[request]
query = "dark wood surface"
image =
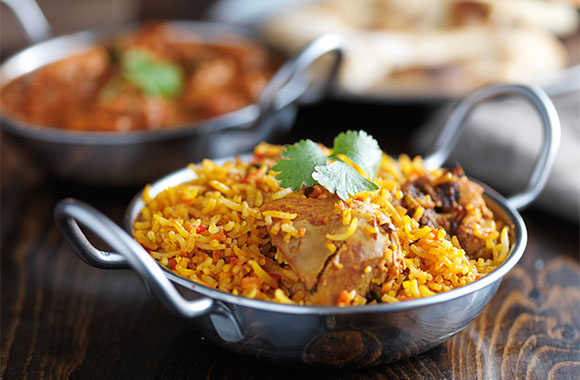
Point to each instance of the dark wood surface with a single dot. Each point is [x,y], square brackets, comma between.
[61,318]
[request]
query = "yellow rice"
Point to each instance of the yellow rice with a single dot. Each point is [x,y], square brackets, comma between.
[211,231]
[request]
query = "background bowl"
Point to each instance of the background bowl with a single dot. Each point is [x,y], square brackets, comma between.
[135,157]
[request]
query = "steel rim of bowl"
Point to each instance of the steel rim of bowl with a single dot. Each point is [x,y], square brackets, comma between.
[243,116]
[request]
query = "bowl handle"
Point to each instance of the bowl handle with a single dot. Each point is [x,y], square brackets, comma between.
[550,123]
[289,85]
[131,254]
[31,19]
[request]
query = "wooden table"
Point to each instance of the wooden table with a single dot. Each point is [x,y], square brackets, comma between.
[61,318]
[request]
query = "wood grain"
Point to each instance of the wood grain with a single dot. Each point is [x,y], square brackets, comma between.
[61,318]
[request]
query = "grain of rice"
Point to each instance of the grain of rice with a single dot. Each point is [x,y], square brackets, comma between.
[345,235]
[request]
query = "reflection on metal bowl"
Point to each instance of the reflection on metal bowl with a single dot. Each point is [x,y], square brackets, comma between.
[326,336]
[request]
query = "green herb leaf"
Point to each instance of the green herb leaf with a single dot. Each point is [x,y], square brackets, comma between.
[305,163]
[152,75]
[343,179]
[361,148]
[298,164]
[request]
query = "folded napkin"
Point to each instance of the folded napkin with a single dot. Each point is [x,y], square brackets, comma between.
[500,143]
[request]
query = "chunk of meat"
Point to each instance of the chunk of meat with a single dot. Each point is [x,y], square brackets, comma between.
[361,260]
[307,255]
[472,194]
[455,204]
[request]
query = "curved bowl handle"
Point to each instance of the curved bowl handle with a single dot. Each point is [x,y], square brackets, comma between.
[69,211]
[30,18]
[288,84]
[551,134]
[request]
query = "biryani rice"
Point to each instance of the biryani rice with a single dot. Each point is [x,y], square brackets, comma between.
[211,231]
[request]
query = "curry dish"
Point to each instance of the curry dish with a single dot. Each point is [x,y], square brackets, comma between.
[153,77]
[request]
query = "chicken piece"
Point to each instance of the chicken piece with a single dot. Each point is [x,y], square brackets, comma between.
[470,193]
[456,205]
[361,260]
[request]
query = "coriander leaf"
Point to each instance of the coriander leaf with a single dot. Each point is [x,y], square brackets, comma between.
[152,75]
[361,148]
[343,179]
[298,165]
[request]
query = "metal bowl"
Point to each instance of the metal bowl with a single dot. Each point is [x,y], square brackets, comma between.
[356,336]
[132,158]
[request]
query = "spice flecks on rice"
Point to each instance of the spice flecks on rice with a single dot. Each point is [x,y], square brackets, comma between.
[211,231]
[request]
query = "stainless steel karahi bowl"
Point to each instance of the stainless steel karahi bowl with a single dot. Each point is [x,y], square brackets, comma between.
[135,157]
[356,336]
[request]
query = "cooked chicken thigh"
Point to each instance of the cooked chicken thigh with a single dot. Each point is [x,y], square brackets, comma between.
[447,207]
[370,255]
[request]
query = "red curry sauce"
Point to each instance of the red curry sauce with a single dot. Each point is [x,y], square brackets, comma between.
[174,78]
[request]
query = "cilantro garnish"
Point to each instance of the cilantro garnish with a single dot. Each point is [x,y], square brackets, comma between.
[305,163]
[300,161]
[342,179]
[151,74]
[361,148]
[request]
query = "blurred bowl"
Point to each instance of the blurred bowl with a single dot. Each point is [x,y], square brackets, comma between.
[135,157]
[424,53]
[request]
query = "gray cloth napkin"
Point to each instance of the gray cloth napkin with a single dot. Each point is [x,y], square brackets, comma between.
[500,143]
